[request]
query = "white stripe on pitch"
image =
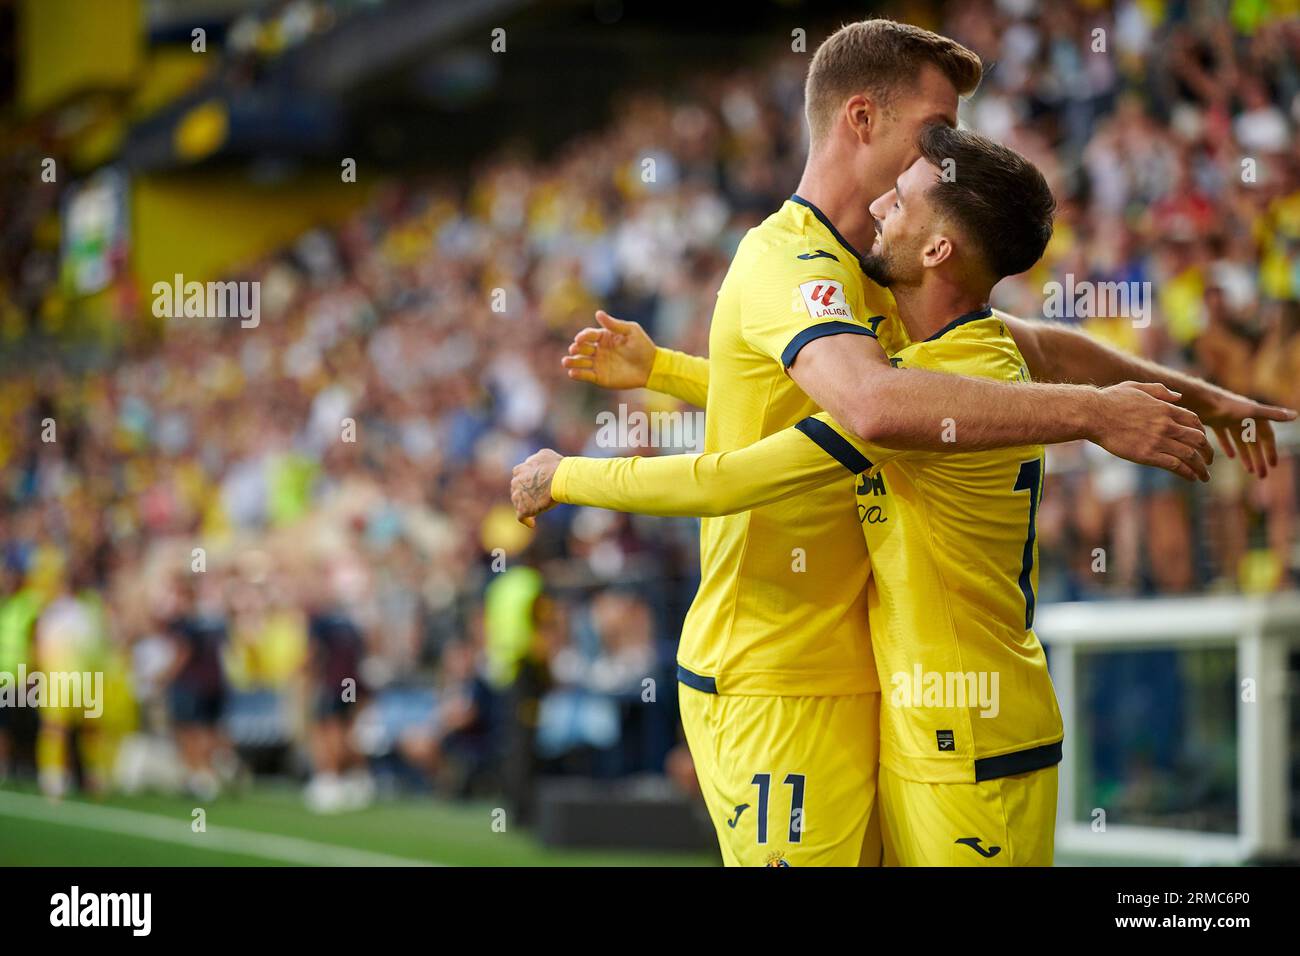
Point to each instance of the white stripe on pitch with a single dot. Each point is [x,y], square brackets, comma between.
[151,826]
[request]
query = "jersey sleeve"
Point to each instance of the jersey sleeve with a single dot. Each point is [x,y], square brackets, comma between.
[838,443]
[789,301]
[683,376]
[719,483]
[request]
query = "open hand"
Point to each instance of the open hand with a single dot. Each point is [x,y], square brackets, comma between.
[1138,421]
[614,354]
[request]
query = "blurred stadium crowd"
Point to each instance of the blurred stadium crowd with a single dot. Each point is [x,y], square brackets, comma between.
[343,468]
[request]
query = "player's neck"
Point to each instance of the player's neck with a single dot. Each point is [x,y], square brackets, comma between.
[928,307]
[840,202]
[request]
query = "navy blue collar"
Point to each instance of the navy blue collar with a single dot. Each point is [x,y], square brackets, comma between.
[983,313]
[821,217]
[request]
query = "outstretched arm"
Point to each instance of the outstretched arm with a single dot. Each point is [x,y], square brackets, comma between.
[620,354]
[1058,353]
[790,462]
[851,378]
[921,410]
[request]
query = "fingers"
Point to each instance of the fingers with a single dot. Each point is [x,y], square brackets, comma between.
[1258,456]
[1185,439]
[1185,416]
[1159,391]
[1244,452]
[614,325]
[586,339]
[1259,465]
[1173,463]
[1189,456]
[1272,413]
[584,344]
[1225,441]
[1196,439]
[1269,443]
[579,364]
[580,368]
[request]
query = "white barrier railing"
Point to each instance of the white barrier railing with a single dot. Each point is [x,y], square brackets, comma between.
[1262,630]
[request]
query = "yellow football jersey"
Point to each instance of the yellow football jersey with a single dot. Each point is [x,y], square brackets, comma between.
[781,607]
[965,692]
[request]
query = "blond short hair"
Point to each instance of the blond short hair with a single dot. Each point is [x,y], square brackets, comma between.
[880,57]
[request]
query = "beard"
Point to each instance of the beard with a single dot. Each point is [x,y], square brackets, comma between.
[879,269]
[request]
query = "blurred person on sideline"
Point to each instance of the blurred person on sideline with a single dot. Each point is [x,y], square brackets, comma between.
[596,707]
[521,628]
[25,597]
[196,684]
[340,778]
[454,751]
[1277,369]
[71,641]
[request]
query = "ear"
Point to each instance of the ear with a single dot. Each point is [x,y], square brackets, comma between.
[861,115]
[938,250]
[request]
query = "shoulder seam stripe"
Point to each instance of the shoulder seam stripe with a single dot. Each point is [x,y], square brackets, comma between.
[834,444]
[807,335]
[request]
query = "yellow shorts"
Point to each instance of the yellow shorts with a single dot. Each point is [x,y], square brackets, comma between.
[789,781]
[1009,821]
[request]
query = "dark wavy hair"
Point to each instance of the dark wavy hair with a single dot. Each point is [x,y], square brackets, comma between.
[998,199]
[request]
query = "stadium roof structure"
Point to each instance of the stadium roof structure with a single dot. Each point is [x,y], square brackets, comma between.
[403,82]
[309,100]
